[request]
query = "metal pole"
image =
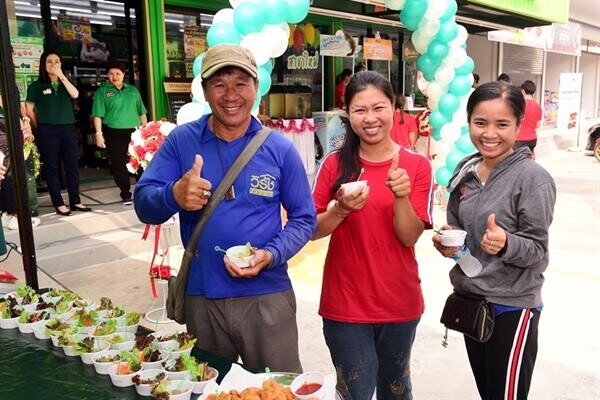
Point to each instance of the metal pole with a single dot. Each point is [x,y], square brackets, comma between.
[10,100]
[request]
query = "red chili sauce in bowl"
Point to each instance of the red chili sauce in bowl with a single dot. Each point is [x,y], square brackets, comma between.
[308,388]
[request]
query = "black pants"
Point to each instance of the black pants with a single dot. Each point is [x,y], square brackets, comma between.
[117,142]
[7,195]
[503,366]
[56,143]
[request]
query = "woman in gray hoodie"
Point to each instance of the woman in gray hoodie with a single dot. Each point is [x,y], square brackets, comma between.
[505,202]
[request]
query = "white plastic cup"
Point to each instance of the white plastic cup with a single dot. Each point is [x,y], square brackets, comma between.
[453,237]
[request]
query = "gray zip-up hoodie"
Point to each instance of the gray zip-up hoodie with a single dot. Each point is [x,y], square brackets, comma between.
[522,195]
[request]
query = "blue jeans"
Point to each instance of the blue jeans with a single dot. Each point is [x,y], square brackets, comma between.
[366,356]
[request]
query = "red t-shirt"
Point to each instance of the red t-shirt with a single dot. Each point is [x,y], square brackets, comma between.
[340,89]
[533,115]
[369,276]
[400,131]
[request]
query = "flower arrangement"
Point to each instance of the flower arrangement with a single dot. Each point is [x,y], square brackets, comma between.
[31,155]
[145,142]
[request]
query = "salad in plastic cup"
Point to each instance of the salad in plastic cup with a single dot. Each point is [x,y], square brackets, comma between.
[241,255]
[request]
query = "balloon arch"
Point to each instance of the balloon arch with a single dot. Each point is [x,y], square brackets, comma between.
[445,69]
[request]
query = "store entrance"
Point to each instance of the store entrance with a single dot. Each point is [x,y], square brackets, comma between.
[86,34]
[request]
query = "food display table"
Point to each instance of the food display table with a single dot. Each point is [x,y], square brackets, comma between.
[34,369]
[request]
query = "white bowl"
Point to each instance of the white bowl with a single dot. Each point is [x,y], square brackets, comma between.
[145,389]
[40,332]
[184,386]
[180,375]
[71,351]
[9,323]
[128,328]
[453,237]
[164,344]
[28,327]
[352,187]
[240,262]
[102,367]
[100,346]
[308,378]
[198,386]
[172,351]
[127,343]
[155,364]
[120,380]
[30,307]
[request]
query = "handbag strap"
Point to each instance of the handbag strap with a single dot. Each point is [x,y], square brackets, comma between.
[239,164]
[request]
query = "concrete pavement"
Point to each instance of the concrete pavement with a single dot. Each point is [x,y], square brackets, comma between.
[568,365]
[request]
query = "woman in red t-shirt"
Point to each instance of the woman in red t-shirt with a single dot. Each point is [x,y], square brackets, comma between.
[342,80]
[527,135]
[404,130]
[371,299]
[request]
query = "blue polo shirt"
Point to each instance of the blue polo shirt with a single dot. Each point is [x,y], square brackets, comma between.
[274,177]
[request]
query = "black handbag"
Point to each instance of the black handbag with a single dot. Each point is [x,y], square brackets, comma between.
[470,315]
[175,304]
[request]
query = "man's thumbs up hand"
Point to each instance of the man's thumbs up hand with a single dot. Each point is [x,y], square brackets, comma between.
[192,191]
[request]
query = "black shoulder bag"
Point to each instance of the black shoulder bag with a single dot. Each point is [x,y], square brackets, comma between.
[470,315]
[177,284]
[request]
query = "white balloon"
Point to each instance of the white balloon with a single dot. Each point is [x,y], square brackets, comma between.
[456,57]
[224,15]
[197,90]
[235,3]
[441,148]
[435,9]
[278,39]
[259,45]
[422,83]
[460,116]
[437,162]
[461,38]
[190,112]
[394,4]
[450,132]
[428,27]
[420,42]
[444,75]
[285,27]
[434,92]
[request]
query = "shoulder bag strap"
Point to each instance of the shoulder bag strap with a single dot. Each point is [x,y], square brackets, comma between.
[239,164]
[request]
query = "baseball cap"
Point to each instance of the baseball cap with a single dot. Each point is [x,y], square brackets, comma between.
[227,55]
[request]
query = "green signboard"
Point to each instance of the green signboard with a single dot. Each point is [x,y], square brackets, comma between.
[547,10]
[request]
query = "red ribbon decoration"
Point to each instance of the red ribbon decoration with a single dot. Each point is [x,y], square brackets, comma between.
[293,125]
[156,271]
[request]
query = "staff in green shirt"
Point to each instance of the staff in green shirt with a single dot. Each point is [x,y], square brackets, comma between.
[118,110]
[49,107]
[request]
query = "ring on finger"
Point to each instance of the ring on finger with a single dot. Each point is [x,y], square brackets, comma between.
[492,242]
[205,194]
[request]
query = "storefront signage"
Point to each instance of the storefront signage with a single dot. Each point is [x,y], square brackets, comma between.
[560,38]
[409,53]
[193,41]
[377,49]
[546,10]
[569,102]
[74,28]
[178,94]
[339,45]
[592,47]
[26,54]
[303,61]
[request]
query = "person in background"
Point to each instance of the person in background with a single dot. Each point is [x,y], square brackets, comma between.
[371,299]
[503,78]
[342,80]
[7,197]
[234,312]
[404,131]
[505,202]
[117,111]
[527,135]
[50,109]
[475,81]
[360,67]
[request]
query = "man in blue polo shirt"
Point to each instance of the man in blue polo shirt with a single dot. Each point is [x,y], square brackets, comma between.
[234,312]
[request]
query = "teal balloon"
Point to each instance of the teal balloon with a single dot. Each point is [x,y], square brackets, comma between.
[436,134]
[197,67]
[464,131]
[448,104]
[437,50]
[453,158]
[427,65]
[297,10]
[465,145]
[442,176]
[248,18]
[268,66]
[466,68]
[264,81]
[256,104]
[448,31]
[450,10]
[437,119]
[275,11]
[460,85]
[222,33]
